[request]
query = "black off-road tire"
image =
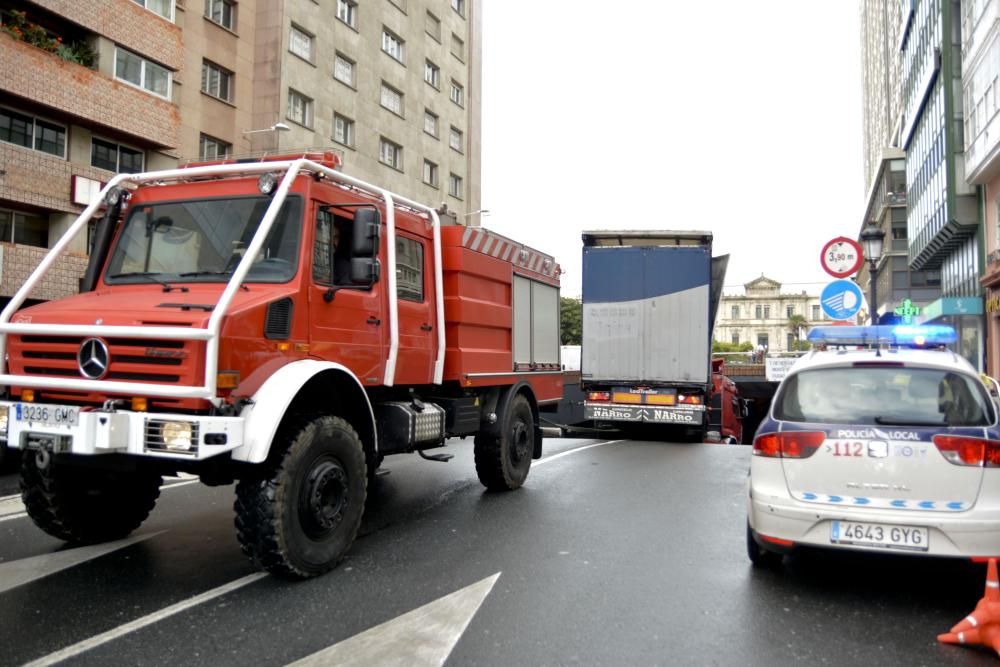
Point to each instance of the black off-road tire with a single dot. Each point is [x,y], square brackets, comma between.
[84,505]
[504,459]
[299,519]
[758,555]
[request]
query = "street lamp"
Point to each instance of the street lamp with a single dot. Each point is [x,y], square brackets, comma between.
[277,127]
[871,243]
[483,212]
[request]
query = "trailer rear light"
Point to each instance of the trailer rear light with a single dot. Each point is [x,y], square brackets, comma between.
[598,395]
[964,451]
[683,399]
[660,399]
[28,395]
[623,397]
[788,445]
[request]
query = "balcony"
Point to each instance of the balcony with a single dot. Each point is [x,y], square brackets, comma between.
[94,98]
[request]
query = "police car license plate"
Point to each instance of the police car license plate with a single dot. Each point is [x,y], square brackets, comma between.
[48,415]
[909,538]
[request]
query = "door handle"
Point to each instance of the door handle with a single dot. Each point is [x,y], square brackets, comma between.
[426,327]
[374,320]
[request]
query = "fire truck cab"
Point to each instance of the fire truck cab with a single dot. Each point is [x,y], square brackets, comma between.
[280,324]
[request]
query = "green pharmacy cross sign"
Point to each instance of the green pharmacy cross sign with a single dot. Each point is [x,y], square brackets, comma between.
[907,311]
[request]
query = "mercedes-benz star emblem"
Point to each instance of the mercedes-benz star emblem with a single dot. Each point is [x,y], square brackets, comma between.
[93,358]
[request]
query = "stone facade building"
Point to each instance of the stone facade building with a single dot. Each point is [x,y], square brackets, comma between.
[761,314]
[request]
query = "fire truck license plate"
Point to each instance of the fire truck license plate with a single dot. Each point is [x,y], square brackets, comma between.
[909,538]
[49,415]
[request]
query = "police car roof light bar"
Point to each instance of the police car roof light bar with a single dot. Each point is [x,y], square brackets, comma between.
[922,336]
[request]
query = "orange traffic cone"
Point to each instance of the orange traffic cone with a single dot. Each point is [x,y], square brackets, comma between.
[982,626]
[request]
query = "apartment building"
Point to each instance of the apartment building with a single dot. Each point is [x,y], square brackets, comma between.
[882,24]
[87,89]
[981,93]
[762,313]
[395,85]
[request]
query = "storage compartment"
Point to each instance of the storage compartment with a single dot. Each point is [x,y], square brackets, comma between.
[404,427]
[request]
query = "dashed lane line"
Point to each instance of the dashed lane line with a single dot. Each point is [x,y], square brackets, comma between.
[105,637]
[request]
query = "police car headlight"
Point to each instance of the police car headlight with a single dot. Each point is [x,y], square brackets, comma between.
[176,436]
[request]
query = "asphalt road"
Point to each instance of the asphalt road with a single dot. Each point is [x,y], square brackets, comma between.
[613,553]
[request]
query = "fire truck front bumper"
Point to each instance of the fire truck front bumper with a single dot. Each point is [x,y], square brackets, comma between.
[69,429]
[692,415]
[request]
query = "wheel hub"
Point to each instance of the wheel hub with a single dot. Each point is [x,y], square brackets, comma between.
[325,495]
[519,442]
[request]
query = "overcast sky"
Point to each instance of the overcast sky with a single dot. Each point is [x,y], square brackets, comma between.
[742,118]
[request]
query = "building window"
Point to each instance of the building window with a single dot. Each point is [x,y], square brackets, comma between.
[790,342]
[432,74]
[390,154]
[393,45]
[409,269]
[455,139]
[343,70]
[113,157]
[343,130]
[30,132]
[758,311]
[430,173]
[762,340]
[300,43]
[210,148]
[222,12]
[216,81]
[457,93]
[735,312]
[767,312]
[164,8]
[432,26]
[347,11]
[391,99]
[300,108]
[455,186]
[142,73]
[431,123]
[458,6]
[815,312]
[789,311]
[24,228]
[457,47]
[736,338]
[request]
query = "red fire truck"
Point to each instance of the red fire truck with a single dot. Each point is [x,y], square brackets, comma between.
[280,324]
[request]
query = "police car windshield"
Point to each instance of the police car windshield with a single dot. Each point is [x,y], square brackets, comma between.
[883,395]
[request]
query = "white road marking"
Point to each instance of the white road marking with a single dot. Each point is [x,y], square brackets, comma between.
[110,635]
[573,451]
[423,637]
[11,507]
[19,572]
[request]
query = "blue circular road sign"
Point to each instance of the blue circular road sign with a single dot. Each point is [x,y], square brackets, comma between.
[841,300]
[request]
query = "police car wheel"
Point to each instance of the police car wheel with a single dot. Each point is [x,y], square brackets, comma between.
[759,556]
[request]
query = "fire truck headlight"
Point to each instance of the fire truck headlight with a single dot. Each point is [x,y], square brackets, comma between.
[176,436]
[266,183]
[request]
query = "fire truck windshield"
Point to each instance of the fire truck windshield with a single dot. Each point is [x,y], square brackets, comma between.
[203,240]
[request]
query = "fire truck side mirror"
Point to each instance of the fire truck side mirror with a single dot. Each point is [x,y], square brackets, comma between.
[364,242]
[365,270]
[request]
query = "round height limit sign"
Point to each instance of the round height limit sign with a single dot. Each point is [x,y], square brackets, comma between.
[841,257]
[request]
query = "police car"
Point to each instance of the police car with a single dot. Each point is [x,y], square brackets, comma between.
[892,449]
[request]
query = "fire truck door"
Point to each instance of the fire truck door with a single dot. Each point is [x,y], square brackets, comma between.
[347,324]
[414,289]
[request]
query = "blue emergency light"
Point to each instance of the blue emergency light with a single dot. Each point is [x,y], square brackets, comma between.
[901,335]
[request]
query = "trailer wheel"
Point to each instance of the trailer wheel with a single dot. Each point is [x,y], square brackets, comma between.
[83,505]
[503,459]
[302,516]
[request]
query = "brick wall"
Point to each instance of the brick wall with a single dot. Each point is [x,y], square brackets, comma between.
[18,261]
[126,23]
[42,180]
[30,72]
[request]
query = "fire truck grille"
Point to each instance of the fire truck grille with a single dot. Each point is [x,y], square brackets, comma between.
[132,359]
